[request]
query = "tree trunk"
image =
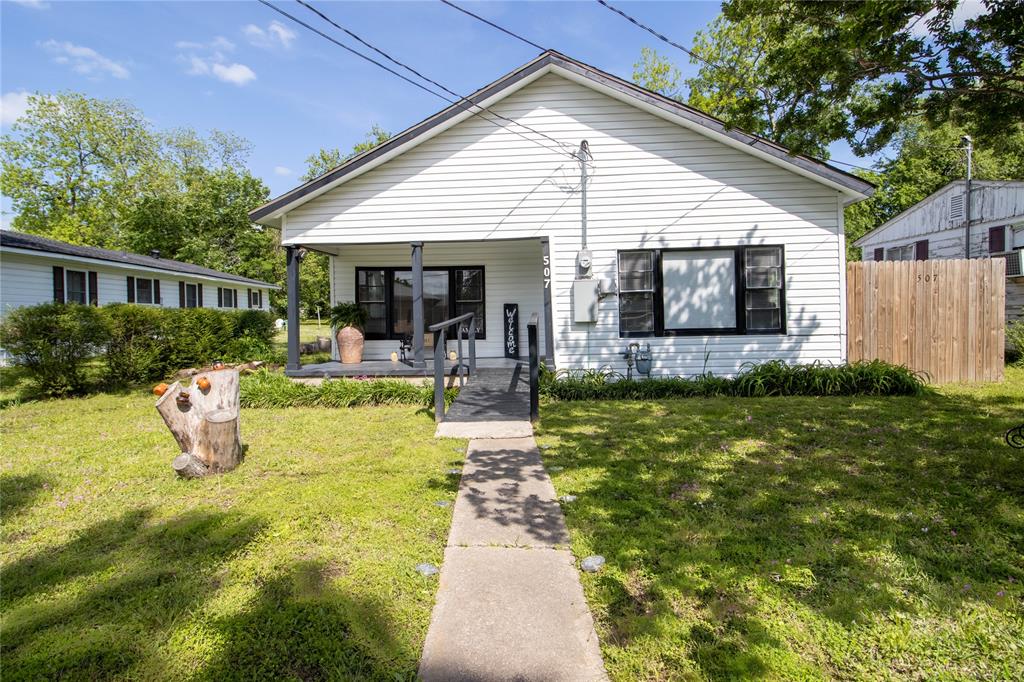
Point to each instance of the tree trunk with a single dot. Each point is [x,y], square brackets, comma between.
[205,422]
[188,465]
[218,445]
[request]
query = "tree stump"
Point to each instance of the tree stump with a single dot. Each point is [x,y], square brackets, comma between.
[205,423]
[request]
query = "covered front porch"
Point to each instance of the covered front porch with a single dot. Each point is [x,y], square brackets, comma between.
[409,288]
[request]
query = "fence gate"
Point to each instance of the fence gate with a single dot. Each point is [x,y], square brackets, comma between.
[945,318]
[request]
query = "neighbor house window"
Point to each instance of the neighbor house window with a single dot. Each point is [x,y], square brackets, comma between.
[227,298]
[77,287]
[900,252]
[255,299]
[386,295]
[190,295]
[997,239]
[728,290]
[144,291]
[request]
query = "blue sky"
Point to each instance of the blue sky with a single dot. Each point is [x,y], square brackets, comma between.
[239,66]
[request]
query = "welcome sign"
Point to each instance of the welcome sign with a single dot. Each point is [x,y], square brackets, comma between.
[511,329]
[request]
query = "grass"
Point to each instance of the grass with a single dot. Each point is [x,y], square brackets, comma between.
[800,538]
[298,565]
[309,330]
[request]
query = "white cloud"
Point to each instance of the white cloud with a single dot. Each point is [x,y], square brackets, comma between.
[208,59]
[965,9]
[239,74]
[12,106]
[34,4]
[275,34]
[84,60]
[282,170]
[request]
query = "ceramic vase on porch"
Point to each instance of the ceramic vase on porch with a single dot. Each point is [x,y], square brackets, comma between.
[348,320]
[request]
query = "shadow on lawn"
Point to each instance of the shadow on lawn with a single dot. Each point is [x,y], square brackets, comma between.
[852,507]
[108,604]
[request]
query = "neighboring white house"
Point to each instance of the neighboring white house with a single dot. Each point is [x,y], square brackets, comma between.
[37,270]
[936,227]
[715,247]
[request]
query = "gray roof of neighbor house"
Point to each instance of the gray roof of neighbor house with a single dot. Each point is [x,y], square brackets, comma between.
[31,242]
[551,58]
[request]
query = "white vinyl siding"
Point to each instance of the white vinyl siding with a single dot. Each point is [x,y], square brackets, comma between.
[28,280]
[654,185]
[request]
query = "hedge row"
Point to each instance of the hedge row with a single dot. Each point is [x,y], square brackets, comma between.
[774,378]
[54,341]
[272,389]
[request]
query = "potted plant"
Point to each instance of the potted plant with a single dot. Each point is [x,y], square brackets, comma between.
[348,319]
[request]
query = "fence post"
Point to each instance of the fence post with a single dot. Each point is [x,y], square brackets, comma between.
[531,334]
[439,376]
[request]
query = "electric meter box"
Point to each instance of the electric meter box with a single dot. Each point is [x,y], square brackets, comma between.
[584,300]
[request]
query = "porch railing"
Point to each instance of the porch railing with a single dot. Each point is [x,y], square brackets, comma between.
[440,332]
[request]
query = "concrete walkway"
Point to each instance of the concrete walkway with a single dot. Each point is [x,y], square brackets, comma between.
[509,605]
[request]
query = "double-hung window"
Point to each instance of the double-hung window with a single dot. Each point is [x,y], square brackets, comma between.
[900,252]
[386,295]
[144,291]
[702,291]
[78,291]
[227,298]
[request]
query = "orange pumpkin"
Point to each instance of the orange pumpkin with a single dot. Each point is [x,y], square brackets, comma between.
[160,389]
[203,383]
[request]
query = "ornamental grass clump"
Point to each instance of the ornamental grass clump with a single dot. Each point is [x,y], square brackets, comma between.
[774,378]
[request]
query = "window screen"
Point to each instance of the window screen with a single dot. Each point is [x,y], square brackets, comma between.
[143,290]
[636,291]
[77,290]
[763,295]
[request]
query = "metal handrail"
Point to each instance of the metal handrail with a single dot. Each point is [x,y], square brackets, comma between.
[439,355]
[531,335]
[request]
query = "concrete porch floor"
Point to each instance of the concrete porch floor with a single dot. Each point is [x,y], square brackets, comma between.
[387,368]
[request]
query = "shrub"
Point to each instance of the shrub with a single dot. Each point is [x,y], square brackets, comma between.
[1015,341]
[774,378]
[136,351]
[271,389]
[53,341]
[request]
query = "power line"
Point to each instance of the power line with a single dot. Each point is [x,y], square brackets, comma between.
[461,98]
[494,25]
[659,36]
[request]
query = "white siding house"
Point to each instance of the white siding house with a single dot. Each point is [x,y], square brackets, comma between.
[715,247]
[936,227]
[37,270]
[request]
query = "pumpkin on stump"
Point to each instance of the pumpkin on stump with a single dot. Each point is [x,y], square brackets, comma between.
[348,319]
[205,424]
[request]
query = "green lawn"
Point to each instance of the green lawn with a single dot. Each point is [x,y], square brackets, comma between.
[800,538]
[298,565]
[309,330]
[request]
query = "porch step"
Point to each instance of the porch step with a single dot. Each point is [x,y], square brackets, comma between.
[494,404]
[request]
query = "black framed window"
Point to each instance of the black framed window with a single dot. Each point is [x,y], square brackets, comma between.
[386,295]
[702,291]
[636,292]
[144,291]
[191,295]
[77,287]
[227,298]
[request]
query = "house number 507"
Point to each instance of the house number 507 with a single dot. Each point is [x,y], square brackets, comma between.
[547,272]
[928,278]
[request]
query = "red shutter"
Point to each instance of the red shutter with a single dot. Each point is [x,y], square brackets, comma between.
[921,250]
[94,293]
[199,295]
[58,284]
[181,294]
[996,239]
[156,292]
[131,290]
[879,253]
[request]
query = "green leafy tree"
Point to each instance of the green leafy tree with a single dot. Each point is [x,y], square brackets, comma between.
[75,167]
[927,158]
[656,72]
[873,65]
[314,275]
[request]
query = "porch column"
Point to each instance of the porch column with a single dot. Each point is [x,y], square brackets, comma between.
[417,305]
[293,258]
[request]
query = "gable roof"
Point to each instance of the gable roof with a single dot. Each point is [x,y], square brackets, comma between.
[10,239]
[975,184]
[554,62]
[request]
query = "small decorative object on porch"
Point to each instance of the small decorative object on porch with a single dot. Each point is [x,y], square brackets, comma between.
[205,423]
[348,320]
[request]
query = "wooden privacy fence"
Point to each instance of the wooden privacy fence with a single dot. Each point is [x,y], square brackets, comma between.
[945,318]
